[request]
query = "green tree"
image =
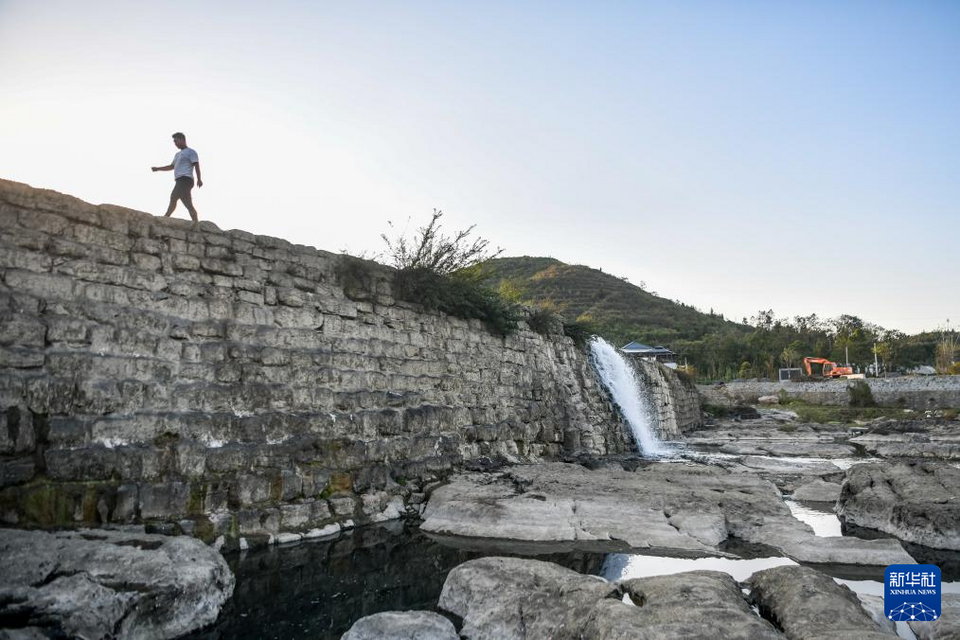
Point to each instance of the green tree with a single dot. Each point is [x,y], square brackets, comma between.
[789,355]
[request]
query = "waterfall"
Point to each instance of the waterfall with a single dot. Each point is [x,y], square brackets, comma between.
[621,381]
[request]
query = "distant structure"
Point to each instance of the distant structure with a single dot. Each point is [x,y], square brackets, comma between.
[792,373]
[658,353]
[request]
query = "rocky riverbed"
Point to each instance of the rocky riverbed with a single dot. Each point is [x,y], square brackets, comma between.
[736,531]
[506,598]
[674,507]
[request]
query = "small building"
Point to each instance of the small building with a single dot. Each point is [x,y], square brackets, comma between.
[790,374]
[658,353]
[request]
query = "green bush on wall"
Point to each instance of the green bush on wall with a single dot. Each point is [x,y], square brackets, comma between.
[460,294]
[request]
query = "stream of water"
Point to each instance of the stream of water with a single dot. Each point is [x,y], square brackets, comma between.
[627,391]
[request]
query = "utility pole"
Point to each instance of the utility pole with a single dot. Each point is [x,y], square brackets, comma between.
[846,351]
[876,366]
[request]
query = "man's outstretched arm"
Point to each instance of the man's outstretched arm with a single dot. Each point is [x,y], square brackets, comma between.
[196,166]
[169,167]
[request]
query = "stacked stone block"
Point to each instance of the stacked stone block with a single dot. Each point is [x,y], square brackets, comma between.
[236,385]
[674,401]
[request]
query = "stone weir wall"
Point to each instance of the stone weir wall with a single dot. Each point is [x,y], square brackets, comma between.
[913,392]
[227,384]
[674,401]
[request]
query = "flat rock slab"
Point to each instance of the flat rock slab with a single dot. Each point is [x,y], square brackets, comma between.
[688,508]
[818,490]
[507,598]
[915,502]
[940,444]
[402,625]
[808,605]
[787,467]
[811,449]
[103,583]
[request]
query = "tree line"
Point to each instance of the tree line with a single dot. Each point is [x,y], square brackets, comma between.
[770,343]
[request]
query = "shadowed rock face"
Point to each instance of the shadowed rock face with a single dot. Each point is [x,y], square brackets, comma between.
[915,502]
[677,507]
[808,605]
[97,584]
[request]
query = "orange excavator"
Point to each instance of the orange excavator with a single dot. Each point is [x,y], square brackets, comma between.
[830,369]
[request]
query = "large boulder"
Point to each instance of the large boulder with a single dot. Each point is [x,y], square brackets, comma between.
[116,584]
[678,507]
[502,598]
[808,605]
[915,502]
[507,598]
[694,604]
[402,625]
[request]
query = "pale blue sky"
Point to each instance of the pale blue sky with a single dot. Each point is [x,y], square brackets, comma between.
[802,156]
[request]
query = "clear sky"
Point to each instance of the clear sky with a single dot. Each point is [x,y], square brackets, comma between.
[800,156]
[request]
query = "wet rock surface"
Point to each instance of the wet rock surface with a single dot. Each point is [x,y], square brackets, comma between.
[402,625]
[98,584]
[808,605]
[915,502]
[683,508]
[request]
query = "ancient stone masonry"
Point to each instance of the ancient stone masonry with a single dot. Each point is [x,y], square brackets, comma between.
[227,384]
[674,400]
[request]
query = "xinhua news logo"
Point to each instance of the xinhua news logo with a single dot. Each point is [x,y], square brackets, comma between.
[911,592]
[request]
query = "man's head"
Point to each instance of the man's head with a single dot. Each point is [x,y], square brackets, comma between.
[180,140]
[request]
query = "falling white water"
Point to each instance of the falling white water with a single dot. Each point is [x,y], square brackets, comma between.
[621,381]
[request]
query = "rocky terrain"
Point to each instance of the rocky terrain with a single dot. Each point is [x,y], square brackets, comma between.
[680,508]
[243,390]
[917,502]
[506,598]
[102,583]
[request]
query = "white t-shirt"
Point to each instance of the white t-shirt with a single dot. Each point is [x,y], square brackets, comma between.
[183,163]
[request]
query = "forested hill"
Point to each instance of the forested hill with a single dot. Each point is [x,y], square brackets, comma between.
[718,349]
[618,310]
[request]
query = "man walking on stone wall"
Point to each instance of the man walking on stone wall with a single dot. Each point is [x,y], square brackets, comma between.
[182,166]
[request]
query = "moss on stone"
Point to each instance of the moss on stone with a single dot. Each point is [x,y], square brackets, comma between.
[197,497]
[338,483]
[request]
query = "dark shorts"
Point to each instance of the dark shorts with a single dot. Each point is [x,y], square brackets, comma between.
[181,190]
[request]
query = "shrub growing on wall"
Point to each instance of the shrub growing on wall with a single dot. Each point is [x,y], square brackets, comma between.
[444,273]
[459,294]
